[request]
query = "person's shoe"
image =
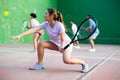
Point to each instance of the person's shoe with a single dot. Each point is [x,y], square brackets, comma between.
[34,51]
[92,50]
[37,67]
[84,68]
[78,47]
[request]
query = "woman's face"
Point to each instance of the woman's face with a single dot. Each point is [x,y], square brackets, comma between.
[48,17]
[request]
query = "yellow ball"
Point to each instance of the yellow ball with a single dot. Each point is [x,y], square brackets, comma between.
[5,13]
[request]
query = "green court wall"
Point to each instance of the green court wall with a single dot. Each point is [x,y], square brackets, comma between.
[19,10]
[107,13]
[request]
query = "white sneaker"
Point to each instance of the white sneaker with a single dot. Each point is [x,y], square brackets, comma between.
[34,51]
[78,47]
[92,50]
[84,68]
[37,67]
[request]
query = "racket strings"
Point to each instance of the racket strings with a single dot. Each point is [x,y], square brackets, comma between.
[25,24]
[86,30]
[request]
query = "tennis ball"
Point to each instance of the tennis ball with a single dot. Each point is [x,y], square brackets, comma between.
[5,13]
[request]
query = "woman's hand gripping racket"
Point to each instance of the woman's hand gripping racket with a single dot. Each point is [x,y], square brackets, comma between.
[84,31]
[25,24]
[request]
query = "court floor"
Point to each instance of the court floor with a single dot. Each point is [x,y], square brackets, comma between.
[16,59]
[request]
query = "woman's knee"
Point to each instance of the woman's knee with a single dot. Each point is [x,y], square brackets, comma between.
[40,44]
[68,61]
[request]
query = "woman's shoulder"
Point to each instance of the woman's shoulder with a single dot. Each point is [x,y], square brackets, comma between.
[44,24]
[59,23]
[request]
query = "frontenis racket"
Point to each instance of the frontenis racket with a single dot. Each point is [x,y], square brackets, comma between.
[84,31]
[25,24]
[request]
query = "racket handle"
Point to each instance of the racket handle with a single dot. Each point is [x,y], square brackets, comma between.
[66,46]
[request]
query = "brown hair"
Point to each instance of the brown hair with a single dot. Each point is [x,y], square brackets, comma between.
[57,15]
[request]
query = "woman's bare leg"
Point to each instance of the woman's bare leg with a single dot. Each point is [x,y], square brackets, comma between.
[42,46]
[36,38]
[69,60]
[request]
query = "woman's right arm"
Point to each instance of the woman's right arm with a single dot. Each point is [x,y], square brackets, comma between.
[30,31]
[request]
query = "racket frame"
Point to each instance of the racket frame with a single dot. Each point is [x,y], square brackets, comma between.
[25,24]
[73,39]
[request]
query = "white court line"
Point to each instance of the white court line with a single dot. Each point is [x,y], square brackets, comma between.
[83,77]
[49,54]
[96,66]
[12,51]
[15,49]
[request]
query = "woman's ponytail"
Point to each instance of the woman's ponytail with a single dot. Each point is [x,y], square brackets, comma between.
[59,17]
